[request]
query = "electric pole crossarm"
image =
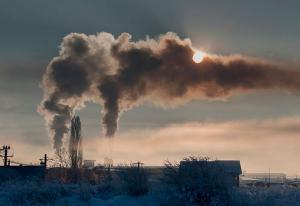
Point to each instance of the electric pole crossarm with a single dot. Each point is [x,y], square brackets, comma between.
[5,156]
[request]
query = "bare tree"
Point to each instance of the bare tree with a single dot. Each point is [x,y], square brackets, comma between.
[61,159]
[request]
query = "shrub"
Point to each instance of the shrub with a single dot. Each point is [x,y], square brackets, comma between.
[32,192]
[198,182]
[275,195]
[135,180]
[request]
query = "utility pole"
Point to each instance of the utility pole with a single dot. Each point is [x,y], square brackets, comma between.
[269,178]
[5,157]
[139,164]
[44,160]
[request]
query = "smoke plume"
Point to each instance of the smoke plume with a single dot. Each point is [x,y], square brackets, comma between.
[119,73]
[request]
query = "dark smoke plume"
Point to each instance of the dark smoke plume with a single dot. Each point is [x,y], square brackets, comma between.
[119,74]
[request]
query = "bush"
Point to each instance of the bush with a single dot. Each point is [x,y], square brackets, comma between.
[198,182]
[108,187]
[276,195]
[135,180]
[32,192]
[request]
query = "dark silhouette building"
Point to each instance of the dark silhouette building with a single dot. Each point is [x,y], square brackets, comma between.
[229,170]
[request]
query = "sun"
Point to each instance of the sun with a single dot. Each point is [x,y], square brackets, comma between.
[198,56]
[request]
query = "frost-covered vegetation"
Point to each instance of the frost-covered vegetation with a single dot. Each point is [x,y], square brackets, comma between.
[134,179]
[197,184]
[31,192]
[35,193]
[133,186]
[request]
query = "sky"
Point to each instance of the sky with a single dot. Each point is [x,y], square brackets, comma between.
[259,128]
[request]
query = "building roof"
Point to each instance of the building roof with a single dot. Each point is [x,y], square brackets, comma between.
[230,166]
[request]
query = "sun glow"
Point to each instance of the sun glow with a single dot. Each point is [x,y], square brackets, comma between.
[198,56]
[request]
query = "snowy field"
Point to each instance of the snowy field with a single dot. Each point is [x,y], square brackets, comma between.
[31,192]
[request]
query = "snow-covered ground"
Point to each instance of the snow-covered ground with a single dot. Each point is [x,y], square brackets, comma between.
[119,200]
[21,193]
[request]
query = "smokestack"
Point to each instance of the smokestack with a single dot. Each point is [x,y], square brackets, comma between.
[119,74]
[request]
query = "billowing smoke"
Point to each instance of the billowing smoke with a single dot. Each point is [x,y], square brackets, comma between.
[119,73]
